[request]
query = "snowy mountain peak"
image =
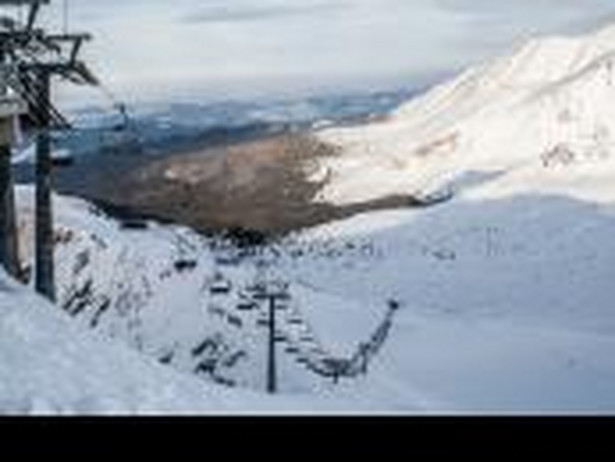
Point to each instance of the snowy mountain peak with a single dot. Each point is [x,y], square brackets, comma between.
[546,104]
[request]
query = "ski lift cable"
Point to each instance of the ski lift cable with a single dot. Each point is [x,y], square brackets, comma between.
[116,103]
[57,117]
[27,89]
[354,367]
[65,8]
[120,106]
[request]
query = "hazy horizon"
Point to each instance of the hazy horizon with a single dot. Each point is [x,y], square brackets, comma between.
[190,49]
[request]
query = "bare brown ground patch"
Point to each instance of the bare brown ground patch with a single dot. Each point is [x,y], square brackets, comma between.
[261,185]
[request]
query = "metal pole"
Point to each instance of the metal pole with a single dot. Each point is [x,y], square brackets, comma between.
[44,212]
[363,348]
[8,229]
[9,253]
[271,372]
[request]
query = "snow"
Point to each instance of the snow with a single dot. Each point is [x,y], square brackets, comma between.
[51,366]
[510,116]
[505,308]
[27,154]
[507,287]
[505,290]
[506,305]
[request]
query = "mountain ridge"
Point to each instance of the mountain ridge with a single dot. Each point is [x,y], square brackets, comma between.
[512,109]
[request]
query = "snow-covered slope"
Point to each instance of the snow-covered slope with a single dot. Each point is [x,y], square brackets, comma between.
[151,289]
[52,366]
[507,287]
[506,306]
[505,291]
[539,118]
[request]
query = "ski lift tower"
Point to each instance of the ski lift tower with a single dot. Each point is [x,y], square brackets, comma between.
[64,64]
[38,56]
[11,107]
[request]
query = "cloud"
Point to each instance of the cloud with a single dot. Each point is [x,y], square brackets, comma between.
[233,12]
[233,48]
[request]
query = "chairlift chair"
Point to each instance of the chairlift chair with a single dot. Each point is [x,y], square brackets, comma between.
[256,287]
[216,310]
[133,223]
[283,296]
[280,336]
[62,159]
[220,288]
[317,351]
[184,264]
[260,295]
[228,259]
[234,321]
[246,306]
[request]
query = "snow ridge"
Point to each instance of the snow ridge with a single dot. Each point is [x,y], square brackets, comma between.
[548,99]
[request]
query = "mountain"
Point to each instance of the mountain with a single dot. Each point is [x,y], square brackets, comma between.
[498,299]
[538,118]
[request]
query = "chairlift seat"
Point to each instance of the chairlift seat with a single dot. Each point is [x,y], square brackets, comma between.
[260,296]
[64,161]
[234,321]
[246,306]
[133,224]
[283,296]
[220,288]
[183,265]
[257,287]
[119,128]
[228,258]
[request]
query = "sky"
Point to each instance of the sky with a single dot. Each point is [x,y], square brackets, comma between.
[220,49]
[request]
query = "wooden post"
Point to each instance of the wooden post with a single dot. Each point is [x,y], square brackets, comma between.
[44,239]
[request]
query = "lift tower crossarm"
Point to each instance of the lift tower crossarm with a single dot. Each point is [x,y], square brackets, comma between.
[23,2]
[77,41]
[34,8]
